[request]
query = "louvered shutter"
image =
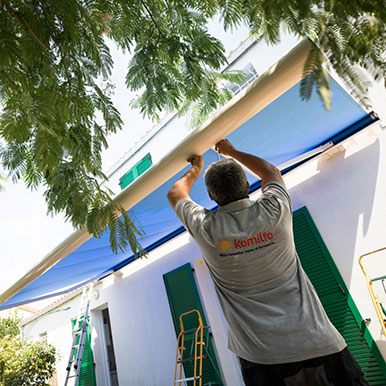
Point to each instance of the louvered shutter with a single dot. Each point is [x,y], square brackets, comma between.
[144,164]
[138,169]
[183,296]
[335,297]
[87,372]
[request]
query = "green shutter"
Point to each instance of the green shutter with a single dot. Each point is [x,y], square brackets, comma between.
[139,168]
[87,372]
[335,297]
[144,164]
[183,296]
[127,179]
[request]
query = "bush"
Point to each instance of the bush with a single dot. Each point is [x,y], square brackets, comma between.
[9,325]
[23,363]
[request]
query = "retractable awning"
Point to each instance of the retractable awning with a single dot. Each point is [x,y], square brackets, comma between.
[268,119]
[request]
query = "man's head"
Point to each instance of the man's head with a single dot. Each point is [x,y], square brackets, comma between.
[226,182]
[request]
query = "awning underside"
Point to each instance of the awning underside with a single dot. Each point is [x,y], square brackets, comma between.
[282,131]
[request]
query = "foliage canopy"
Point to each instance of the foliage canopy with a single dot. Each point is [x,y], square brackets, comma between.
[56,116]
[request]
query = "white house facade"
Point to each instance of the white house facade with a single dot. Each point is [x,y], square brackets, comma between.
[338,199]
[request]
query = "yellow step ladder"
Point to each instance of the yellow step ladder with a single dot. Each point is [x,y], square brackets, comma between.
[198,351]
[380,310]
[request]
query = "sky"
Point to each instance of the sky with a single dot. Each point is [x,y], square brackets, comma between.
[27,234]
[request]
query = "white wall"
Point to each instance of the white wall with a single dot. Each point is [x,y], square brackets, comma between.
[141,321]
[345,191]
[57,324]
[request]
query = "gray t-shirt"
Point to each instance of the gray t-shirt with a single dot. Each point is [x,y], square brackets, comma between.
[272,310]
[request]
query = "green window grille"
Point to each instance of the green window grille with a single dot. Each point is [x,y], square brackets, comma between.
[87,371]
[138,169]
[183,296]
[336,299]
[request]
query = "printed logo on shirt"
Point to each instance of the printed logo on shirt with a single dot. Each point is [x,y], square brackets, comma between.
[259,238]
[224,245]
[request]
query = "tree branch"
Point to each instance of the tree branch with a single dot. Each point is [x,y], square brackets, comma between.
[24,24]
[151,15]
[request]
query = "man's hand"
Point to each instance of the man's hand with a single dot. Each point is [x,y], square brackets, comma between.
[197,160]
[225,147]
[183,186]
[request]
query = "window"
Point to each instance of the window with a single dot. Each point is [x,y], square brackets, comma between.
[250,74]
[43,336]
[138,169]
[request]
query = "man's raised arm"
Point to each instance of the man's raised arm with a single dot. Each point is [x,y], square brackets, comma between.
[183,186]
[266,171]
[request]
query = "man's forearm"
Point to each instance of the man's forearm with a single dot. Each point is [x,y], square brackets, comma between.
[183,186]
[262,168]
[189,178]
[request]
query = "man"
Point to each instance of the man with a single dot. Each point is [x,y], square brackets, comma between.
[276,323]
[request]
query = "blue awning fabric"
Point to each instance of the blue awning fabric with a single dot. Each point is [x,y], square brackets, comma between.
[285,129]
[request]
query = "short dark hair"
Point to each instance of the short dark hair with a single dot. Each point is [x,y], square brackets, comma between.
[226,181]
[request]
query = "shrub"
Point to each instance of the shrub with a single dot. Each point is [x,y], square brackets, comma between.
[9,325]
[23,363]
